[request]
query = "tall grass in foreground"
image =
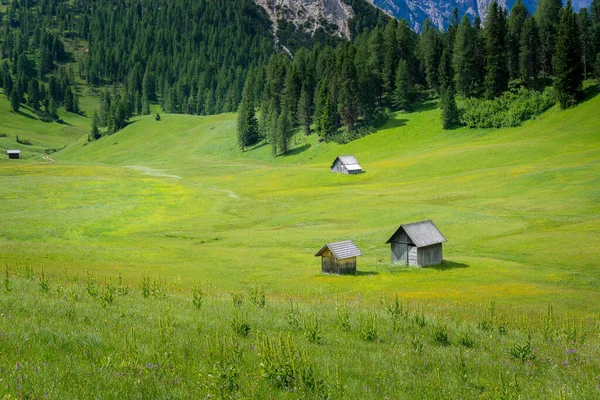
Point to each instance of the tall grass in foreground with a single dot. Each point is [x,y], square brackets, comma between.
[66,337]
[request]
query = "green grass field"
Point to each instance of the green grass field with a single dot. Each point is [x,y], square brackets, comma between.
[176,198]
[120,260]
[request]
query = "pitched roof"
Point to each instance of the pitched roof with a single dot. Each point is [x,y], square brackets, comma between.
[350,162]
[423,233]
[341,250]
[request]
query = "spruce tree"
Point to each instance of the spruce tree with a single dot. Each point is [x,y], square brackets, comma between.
[305,110]
[430,53]
[516,19]
[463,60]
[547,16]
[285,129]
[568,73]
[403,94]
[586,34]
[449,110]
[529,62]
[390,59]
[347,96]
[273,129]
[324,111]
[15,100]
[496,71]
[95,131]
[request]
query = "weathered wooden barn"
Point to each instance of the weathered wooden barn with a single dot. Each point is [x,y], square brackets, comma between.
[339,257]
[346,165]
[417,244]
[13,154]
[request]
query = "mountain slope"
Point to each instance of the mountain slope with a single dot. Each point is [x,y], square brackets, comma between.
[440,11]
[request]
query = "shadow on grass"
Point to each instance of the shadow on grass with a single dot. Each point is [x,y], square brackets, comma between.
[448,265]
[257,145]
[298,150]
[394,123]
[366,273]
[26,115]
[589,93]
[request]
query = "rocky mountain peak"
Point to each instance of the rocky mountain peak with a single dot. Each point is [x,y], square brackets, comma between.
[310,15]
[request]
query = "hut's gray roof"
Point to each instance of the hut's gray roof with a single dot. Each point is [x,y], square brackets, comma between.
[423,233]
[341,250]
[350,162]
[13,151]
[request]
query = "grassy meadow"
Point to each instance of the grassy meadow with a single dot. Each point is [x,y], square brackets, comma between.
[121,253]
[176,198]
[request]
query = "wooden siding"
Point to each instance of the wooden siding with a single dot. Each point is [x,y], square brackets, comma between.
[331,265]
[404,252]
[430,255]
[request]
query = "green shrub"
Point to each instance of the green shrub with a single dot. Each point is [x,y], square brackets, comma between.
[510,109]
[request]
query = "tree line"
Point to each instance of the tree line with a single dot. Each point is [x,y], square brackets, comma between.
[346,89]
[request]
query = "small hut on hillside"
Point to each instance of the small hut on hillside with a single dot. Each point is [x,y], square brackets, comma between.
[346,165]
[13,154]
[339,257]
[417,244]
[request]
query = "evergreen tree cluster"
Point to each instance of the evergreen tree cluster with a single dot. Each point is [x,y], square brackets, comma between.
[191,56]
[330,89]
[326,88]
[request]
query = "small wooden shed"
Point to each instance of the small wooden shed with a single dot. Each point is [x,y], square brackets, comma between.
[417,244]
[346,165]
[13,154]
[339,257]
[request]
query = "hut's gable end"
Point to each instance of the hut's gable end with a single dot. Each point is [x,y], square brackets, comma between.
[401,237]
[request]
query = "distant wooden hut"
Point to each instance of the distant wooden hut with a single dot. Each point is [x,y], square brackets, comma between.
[13,154]
[339,257]
[417,244]
[346,165]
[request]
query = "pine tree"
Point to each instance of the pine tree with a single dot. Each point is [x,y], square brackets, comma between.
[285,130]
[305,110]
[68,101]
[496,72]
[390,59]
[15,100]
[449,110]
[516,19]
[403,94]
[568,74]
[430,53]
[463,61]
[347,96]
[95,132]
[247,125]
[547,16]
[586,33]
[273,128]
[324,111]
[529,63]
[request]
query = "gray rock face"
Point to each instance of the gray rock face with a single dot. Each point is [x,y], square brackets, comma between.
[310,15]
[440,11]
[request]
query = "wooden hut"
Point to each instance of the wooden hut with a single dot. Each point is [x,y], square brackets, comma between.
[346,165]
[417,244]
[339,257]
[13,154]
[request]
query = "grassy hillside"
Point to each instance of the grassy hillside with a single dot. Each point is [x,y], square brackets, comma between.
[44,137]
[176,198]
